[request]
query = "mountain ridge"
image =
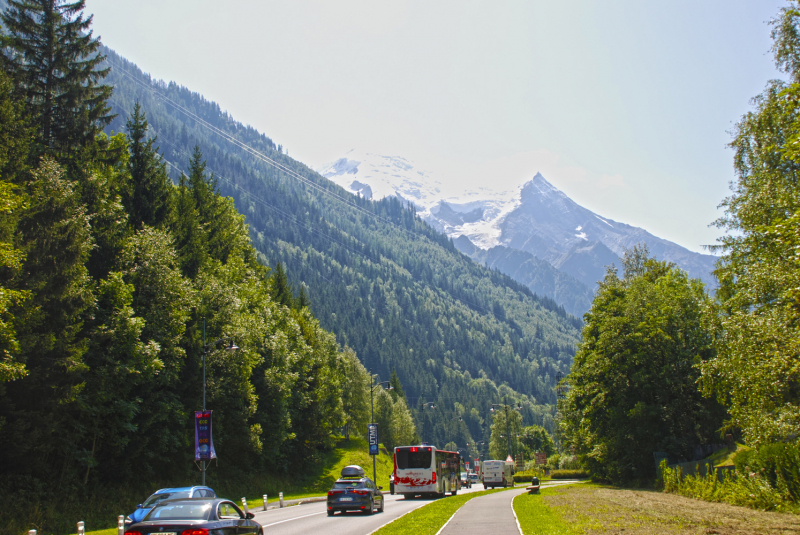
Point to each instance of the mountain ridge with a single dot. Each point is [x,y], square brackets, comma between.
[537,218]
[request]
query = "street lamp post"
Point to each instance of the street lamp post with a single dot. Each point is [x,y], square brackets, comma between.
[206,349]
[505,410]
[372,388]
[427,405]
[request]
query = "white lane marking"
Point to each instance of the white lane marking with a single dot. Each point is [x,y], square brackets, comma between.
[515,513]
[449,519]
[290,519]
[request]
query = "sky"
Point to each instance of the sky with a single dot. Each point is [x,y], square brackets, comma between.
[625,105]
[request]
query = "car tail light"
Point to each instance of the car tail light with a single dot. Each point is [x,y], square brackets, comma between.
[196,532]
[362,492]
[132,533]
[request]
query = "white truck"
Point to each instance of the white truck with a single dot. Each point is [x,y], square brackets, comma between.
[497,474]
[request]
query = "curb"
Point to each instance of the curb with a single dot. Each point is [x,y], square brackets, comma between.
[288,503]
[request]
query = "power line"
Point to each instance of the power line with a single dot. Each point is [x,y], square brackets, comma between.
[259,155]
[264,158]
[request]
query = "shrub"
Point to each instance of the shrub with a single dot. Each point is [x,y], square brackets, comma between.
[569,474]
[742,488]
[778,464]
[523,478]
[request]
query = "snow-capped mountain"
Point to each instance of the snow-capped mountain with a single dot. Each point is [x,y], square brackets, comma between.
[536,218]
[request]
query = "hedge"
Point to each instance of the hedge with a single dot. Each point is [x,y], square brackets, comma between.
[568,474]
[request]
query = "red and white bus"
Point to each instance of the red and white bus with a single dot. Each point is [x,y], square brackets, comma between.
[425,471]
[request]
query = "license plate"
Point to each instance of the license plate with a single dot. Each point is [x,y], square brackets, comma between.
[166,533]
[340,499]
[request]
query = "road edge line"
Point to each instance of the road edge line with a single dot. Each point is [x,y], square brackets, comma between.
[398,518]
[451,517]
[519,528]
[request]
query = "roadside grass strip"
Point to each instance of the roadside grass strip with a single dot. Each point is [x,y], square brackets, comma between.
[429,519]
[535,517]
[109,531]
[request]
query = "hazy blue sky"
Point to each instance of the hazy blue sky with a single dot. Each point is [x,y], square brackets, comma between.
[625,105]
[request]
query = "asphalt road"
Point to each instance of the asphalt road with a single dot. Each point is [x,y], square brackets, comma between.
[312,517]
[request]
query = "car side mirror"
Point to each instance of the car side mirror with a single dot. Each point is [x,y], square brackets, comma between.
[139,506]
[249,516]
[380,488]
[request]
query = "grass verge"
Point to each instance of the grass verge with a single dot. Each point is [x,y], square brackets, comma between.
[321,477]
[430,518]
[536,517]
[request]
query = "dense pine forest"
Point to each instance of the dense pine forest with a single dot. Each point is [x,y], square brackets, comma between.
[140,224]
[389,286]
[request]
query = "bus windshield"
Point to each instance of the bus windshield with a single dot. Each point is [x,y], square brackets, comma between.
[407,458]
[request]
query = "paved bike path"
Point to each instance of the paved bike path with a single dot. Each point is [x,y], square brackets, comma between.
[492,513]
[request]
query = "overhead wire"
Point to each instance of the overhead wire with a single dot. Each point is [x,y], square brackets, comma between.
[258,154]
[264,158]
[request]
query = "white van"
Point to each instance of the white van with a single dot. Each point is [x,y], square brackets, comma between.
[497,474]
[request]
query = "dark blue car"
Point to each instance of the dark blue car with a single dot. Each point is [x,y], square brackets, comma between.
[167,494]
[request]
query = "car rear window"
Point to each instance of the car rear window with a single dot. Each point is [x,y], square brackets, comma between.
[155,498]
[348,485]
[180,511]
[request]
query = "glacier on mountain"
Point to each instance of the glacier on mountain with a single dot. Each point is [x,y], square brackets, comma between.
[536,217]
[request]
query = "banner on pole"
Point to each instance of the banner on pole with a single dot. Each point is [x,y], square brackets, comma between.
[373,439]
[203,440]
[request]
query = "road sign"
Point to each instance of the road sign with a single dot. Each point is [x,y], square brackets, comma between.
[541,457]
[203,441]
[373,439]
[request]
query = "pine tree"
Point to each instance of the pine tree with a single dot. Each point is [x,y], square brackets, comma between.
[188,232]
[281,289]
[397,388]
[148,201]
[53,59]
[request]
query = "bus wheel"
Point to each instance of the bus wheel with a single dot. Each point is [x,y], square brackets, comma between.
[453,492]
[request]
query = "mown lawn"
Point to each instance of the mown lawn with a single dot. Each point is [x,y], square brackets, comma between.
[589,508]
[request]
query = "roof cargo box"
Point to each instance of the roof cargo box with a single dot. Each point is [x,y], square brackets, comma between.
[352,471]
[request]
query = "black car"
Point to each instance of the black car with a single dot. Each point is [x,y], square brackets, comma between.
[354,492]
[196,516]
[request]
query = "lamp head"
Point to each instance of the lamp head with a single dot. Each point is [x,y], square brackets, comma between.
[232,347]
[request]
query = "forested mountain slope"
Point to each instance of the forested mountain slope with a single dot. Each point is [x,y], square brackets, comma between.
[386,283]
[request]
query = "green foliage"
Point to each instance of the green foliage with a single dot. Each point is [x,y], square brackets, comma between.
[148,201]
[749,489]
[569,474]
[506,430]
[754,318]
[355,394]
[535,438]
[53,59]
[390,287]
[633,384]
[778,464]
[394,420]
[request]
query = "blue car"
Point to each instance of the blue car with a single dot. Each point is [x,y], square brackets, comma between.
[167,494]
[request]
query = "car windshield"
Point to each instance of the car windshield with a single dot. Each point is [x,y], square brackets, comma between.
[180,511]
[348,485]
[413,459]
[155,498]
